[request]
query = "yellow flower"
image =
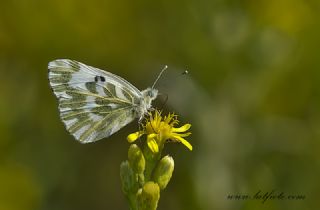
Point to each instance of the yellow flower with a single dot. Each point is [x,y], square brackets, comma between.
[160,130]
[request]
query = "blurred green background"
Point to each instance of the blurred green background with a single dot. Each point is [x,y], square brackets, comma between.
[252,95]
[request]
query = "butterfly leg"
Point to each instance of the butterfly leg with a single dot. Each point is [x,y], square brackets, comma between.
[140,128]
[151,109]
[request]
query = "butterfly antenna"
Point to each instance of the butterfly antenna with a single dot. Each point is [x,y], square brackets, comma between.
[155,82]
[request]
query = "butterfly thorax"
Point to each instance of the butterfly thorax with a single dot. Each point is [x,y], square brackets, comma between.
[148,95]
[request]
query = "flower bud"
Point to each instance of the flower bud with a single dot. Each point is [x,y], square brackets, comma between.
[163,171]
[134,136]
[128,178]
[148,196]
[136,159]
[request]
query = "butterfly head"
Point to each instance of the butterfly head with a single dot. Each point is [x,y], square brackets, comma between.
[150,93]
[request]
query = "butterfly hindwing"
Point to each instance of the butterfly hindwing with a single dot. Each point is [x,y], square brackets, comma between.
[93,103]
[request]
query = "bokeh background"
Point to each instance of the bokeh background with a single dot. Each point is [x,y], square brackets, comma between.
[252,95]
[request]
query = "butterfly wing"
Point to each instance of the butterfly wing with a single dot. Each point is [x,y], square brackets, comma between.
[93,103]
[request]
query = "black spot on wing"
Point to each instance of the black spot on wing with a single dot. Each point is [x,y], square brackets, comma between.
[99,79]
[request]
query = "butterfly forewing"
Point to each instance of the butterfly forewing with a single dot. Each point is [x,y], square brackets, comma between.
[93,103]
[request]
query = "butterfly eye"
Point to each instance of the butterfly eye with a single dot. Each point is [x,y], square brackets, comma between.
[151,94]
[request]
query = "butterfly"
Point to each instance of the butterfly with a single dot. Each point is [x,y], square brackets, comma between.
[94,104]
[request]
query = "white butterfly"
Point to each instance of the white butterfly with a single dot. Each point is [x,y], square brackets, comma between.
[94,103]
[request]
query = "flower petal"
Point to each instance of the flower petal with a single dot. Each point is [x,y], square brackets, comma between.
[152,136]
[183,134]
[134,136]
[183,128]
[183,141]
[152,144]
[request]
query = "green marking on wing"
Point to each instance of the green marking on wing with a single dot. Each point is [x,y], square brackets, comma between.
[126,94]
[74,64]
[102,110]
[104,101]
[91,86]
[105,125]
[79,114]
[110,89]
[115,123]
[77,92]
[72,104]
[62,70]
[76,95]
[95,127]
[60,87]
[79,124]
[61,78]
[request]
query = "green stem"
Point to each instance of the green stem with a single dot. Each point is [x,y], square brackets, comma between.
[151,161]
[132,202]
